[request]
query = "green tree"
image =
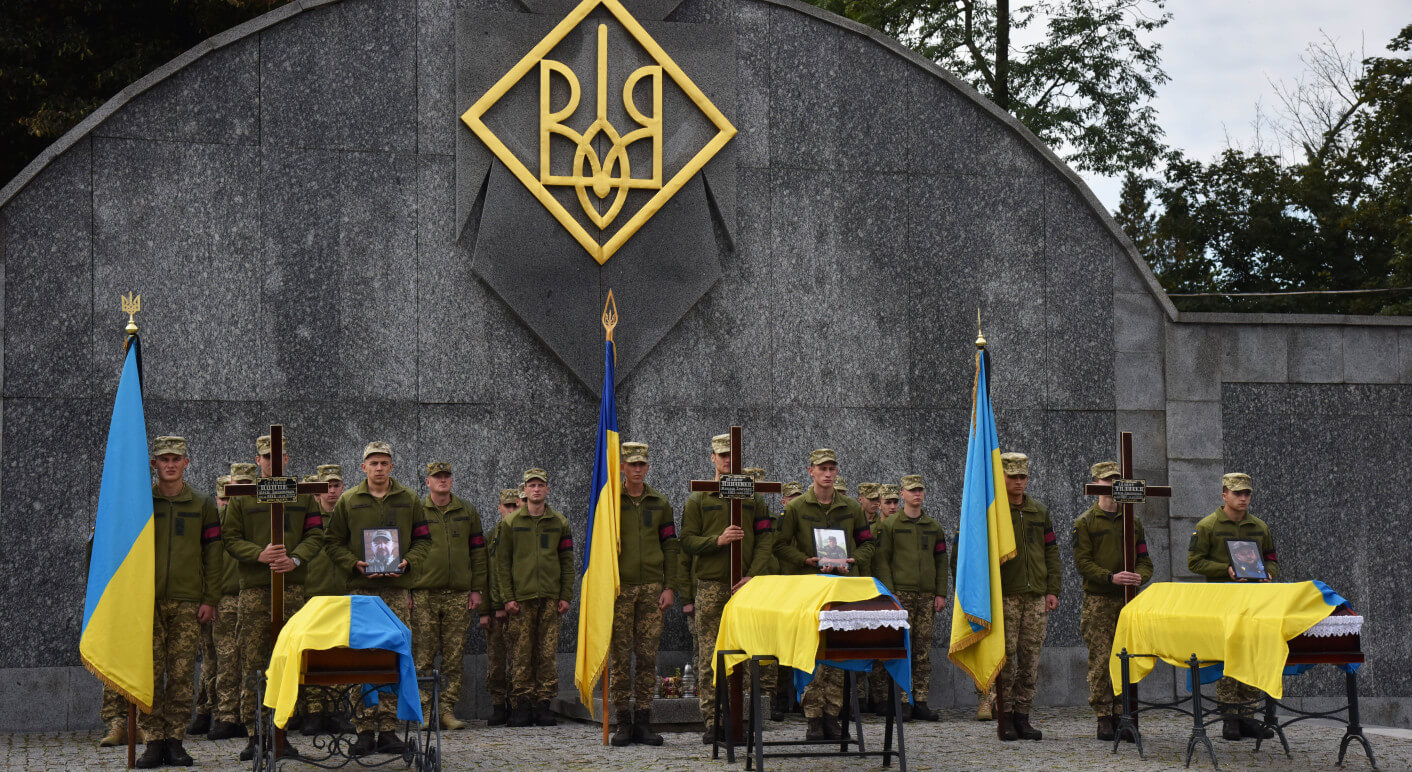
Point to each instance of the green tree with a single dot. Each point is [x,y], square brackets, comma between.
[1085,88]
[60,59]
[1331,211]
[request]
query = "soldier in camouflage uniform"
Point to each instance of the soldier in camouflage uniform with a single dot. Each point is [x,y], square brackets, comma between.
[379,501]
[822,507]
[891,501]
[225,717]
[1098,553]
[246,531]
[911,561]
[112,711]
[494,622]
[447,588]
[1207,556]
[648,558]
[188,543]
[1029,583]
[706,535]
[534,565]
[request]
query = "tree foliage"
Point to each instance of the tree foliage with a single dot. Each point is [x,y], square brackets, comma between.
[1085,87]
[1326,206]
[60,59]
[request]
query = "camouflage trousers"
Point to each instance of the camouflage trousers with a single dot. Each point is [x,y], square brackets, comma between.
[1025,623]
[1230,693]
[873,684]
[1097,623]
[206,683]
[824,695]
[497,653]
[711,600]
[637,634]
[176,636]
[253,642]
[113,709]
[922,618]
[383,718]
[440,621]
[227,694]
[534,653]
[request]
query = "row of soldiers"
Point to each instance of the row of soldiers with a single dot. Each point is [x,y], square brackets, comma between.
[216,556]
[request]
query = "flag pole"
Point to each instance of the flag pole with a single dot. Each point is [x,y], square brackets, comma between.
[610,321]
[999,698]
[131,305]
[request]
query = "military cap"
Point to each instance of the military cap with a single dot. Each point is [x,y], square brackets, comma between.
[509,496]
[375,447]
[912,482]
[173,446]
[889,492]
[1015,463]
[520,491]
[382,536]
[244,469]
[536,474]
[791,489]
[221,483]
[756,473]
[634,452]
[1237,481]
[311,478]
[721,444]
[821,455]
[869,490]
[437,467]
[1104,469]
[330,472]
[264,442]
[840,485]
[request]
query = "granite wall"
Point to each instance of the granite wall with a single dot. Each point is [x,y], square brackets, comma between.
[284,198]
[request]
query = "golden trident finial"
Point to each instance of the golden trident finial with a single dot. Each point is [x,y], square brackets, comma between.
[131,305]
[610,315]
[980,339]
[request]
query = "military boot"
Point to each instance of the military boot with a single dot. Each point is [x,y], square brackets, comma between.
[226,730]
[642,729]
[711,735]
[1021,722]
[200,724]
[153,756]
[921,712]
[499,714]
[248,752]
[117,734]
[833,729]
[906,711]
[1105,728]
[520,715]
[623,734]
[1006,727]
[776,707]
[366,744]
[449,721]
[985,708]
[815,731]
[1249,727]
[177,755]
[543,715]
[1230,728]
[389,742]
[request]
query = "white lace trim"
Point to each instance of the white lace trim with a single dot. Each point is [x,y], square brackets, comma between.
[1329,627]
[863,620]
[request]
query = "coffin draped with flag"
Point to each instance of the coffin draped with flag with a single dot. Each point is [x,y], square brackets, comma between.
[599,588]
[985,538]
[116,638]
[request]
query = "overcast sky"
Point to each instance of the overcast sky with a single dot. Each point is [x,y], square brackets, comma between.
[1222,54]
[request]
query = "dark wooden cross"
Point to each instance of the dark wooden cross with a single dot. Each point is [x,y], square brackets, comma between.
[737,487]
[1127,491]
[276,490]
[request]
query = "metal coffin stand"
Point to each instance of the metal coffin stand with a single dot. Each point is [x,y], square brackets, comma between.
[1303,650]
[834,646]
[339,679]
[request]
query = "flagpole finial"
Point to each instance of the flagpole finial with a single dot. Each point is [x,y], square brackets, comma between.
[131,305]
[610,315]
[980,338]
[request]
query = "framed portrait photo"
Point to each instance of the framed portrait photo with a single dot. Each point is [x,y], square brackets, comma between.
[1246,560]
[831,547]
[382,550]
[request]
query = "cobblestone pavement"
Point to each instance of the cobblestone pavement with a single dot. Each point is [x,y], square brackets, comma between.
[955,743]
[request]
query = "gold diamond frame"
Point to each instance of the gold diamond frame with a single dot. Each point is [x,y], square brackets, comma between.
[600,252]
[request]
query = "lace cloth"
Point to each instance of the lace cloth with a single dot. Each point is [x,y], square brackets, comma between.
[1332,626]
[863,620]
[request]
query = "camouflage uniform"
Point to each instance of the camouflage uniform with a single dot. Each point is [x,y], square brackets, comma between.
[647,562]
[112,711]
[188,543]
[1098,553]
[253,642]
[1207,555]
[1025,580]
[911,561]
[205,701]
[497,649]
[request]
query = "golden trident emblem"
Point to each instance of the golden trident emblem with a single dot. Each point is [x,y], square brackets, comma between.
[131,305]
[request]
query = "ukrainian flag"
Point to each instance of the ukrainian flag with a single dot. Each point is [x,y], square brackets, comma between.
[599,588]
[116,641]
[985,539]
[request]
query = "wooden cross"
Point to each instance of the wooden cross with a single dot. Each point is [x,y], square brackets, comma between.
[1128,492]
[735,484]
[276,490]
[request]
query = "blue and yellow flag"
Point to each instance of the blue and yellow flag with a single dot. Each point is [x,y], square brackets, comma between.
[985,539]
[599,588]
[116,641]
